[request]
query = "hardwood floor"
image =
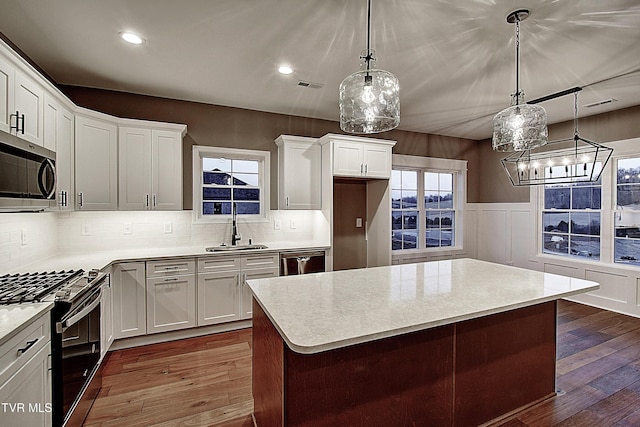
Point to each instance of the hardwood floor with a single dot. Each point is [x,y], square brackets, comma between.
[206,381]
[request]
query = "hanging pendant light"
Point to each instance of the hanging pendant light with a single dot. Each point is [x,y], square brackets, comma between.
[582,162]
[369,98]
[521,126]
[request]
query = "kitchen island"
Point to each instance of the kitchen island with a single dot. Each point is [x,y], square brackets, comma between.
[457,342]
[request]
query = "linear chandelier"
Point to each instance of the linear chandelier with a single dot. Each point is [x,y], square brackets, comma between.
[520,126]
[369,98]
[583,162]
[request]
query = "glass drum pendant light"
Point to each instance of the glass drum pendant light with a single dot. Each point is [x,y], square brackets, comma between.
[521,126]
[369,98]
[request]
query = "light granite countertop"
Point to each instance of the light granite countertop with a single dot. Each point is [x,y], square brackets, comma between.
[323,311]
[16,317]
[102,259]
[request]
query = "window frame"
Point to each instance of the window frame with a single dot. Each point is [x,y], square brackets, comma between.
[623,149]
[264,168]
[431,164]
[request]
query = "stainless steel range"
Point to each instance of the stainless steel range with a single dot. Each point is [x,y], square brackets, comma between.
[75,334]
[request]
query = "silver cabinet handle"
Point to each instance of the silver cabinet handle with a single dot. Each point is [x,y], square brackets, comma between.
[287,204]
[366,166]
[154,201]
[361,168]
[147,200]
[81,199]
[171,279]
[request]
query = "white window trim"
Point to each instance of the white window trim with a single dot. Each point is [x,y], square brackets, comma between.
[459,169]
[201,151]
[621,150]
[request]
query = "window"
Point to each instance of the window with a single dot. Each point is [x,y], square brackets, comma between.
[571,219]
[426,196]
[627,213]
[438,204]
[223,177]
[404,209]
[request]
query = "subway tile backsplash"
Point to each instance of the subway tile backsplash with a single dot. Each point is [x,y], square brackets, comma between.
[46,234]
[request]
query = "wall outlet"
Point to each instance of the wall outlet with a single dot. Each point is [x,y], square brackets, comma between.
[127,228]
[358,222]
[293,224]
[85,231]
[168,227]
[277,224]
[23,238]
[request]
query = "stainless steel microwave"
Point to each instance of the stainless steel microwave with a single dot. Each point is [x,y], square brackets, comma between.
[27,175]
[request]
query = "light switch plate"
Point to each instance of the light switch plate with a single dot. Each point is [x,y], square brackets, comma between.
[359,222]
[293,224]
[168,227]
[23,238]
[85,231]
[127,228]
[277,224]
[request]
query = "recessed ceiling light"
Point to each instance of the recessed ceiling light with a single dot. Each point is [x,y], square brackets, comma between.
[285,69]
[131,38]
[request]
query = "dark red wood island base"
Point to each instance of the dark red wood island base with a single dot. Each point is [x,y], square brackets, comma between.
[460,374]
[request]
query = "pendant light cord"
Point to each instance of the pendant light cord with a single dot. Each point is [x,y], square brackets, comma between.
[368,56]
[517,94]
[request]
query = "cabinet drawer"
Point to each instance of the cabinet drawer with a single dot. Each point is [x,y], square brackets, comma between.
[213,264]
[23,346]
[171,267]
[260,261]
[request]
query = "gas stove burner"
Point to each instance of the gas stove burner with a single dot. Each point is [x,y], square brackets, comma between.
[32,287]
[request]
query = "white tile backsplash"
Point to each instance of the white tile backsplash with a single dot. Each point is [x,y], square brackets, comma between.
[26,237]
[77,232]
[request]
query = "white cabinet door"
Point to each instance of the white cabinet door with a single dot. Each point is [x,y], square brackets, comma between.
[218,297]
[106,318]
[29,101]
[30,387]
[246,309]
[171,303]
[150,169]
[348,158]
[166,170]
[299,173]
[377,161]
[129,300]
[64,159]
[96,147]
[7,85]
[134,174]
[58,136]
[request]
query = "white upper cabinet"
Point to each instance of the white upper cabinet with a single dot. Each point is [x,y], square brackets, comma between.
[360,157]
[96,147]
[299,173]
[58,136]
[29,109]
[21,104]
[150,169]
[6,94]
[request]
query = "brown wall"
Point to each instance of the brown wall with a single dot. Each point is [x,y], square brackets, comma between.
[233,127]
[492,183]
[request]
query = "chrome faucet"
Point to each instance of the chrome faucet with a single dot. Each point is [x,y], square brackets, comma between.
[235,236]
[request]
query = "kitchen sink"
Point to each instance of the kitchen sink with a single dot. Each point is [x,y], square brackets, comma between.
[231,248]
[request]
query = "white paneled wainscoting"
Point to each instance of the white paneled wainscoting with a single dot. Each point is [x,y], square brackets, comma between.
[508,233]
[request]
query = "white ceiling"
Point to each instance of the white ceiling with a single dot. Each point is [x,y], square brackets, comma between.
[454,58]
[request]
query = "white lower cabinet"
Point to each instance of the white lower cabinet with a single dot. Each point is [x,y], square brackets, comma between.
[218,297]
[129,300]
[223,294]
[171,295]
[106,318]
[25,376]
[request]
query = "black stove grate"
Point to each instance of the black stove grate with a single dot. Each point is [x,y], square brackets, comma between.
[32,287]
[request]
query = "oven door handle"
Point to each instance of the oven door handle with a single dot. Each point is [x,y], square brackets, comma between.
[73,319]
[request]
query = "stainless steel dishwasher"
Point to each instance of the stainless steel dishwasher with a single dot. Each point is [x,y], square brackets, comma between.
[301,262]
